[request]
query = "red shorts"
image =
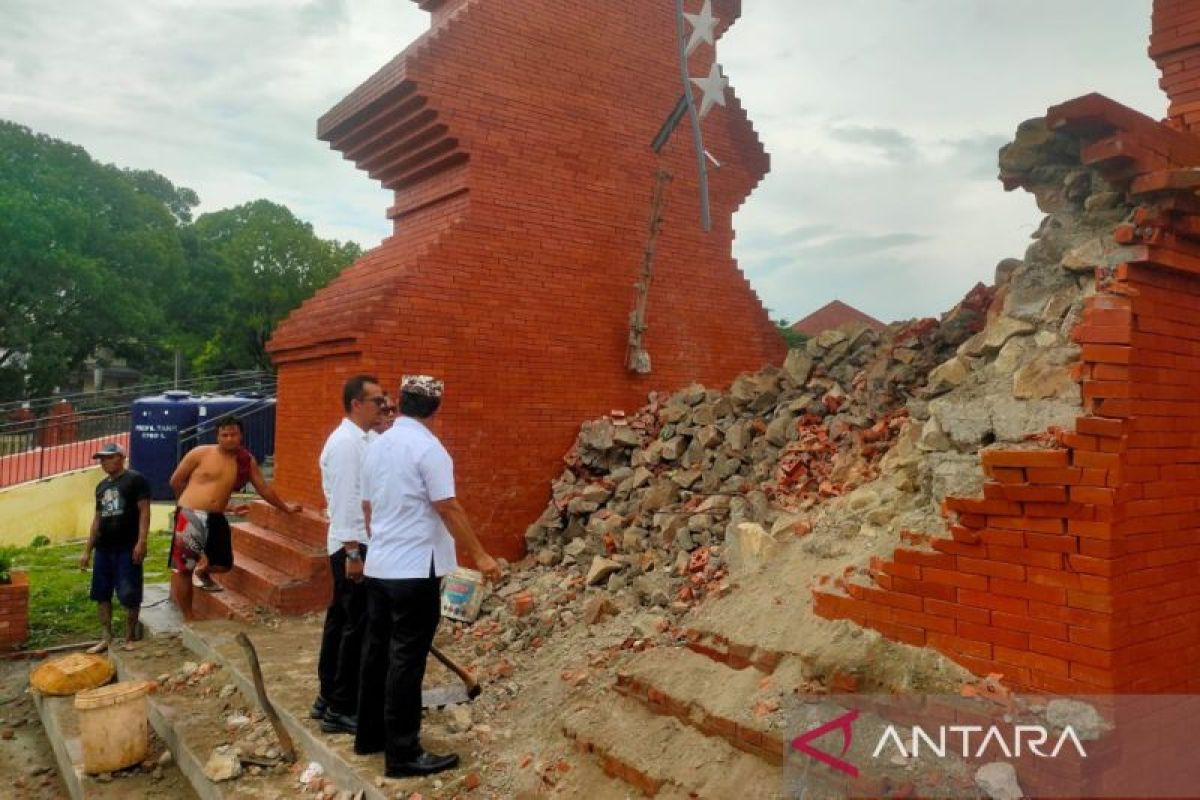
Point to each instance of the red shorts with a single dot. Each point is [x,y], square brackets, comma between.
[196,533]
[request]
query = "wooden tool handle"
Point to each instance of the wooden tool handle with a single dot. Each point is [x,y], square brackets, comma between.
[473,689]
[285,741]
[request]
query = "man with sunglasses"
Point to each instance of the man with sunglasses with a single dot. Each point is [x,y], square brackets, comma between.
[387,416]
[341,470]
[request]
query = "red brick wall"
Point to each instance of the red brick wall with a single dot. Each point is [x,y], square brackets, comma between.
[1079,568]
[516,135]
[14,612]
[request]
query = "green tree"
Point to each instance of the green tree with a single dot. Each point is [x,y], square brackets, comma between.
[794,338]
[83,253]
[179,200]
[248,267]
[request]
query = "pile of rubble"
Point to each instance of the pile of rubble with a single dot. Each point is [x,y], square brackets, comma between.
[667,501]
[853,444]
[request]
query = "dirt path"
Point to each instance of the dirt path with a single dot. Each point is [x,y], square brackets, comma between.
[26,760]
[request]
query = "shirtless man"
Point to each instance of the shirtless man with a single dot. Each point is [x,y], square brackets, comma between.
[204,481]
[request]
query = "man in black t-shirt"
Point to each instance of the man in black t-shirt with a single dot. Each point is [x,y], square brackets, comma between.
[118,537]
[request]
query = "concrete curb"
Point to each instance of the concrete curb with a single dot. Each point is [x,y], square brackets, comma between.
[68,752]
[337,769]
[162,720]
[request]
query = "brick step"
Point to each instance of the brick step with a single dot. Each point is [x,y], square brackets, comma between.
[737,655]
[267,586]
[307,525]
[288,555]
[747,710]
[661,756]
[228,604]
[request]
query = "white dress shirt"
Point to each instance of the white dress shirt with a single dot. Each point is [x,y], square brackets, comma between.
[405,472]
[341,471]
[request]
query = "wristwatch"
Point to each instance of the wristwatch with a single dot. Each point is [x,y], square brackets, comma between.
[354,555]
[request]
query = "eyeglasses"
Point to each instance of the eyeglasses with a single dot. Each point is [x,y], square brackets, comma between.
[380,401]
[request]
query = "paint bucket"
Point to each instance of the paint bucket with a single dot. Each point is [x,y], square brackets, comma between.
[114,727]
[462,594]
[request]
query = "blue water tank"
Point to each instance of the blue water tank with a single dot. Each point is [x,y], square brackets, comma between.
[155,424]
[256,411]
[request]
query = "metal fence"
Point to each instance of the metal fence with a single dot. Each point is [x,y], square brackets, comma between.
[49,445]
[258,419]
[224,383]
[51,435]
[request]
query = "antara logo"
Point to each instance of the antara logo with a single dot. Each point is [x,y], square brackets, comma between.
[991,741]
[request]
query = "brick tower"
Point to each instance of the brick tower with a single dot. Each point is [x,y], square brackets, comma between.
[516,137]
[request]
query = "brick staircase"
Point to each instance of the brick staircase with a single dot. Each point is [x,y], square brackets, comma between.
[681,722]
[280,565]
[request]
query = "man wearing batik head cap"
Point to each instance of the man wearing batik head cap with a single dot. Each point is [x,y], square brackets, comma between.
[414,519]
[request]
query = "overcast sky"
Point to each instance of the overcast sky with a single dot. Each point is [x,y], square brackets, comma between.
[883,118]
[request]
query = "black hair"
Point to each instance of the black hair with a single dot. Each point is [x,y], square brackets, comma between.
[419,406]
[229,421]
[353,389]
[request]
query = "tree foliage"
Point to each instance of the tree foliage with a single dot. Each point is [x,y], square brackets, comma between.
[96,258]
[792,337]
[80,249]
[253,264]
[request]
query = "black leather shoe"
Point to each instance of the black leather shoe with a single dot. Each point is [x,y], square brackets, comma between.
[333,722]
[319,707]
[424,764]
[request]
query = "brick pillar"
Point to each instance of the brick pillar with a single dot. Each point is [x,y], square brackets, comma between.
[516,138]
[1175,48]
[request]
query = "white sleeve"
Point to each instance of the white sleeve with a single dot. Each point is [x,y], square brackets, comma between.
[364,477]
[437,471]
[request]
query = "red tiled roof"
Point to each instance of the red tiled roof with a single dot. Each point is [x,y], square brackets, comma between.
[831,316]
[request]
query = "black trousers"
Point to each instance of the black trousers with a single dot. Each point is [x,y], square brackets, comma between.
[402,617]
[341,641]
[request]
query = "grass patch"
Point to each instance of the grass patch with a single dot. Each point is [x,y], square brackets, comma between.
[60,610]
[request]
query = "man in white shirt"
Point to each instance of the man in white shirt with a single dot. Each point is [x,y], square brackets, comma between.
[414,520]
[341,470]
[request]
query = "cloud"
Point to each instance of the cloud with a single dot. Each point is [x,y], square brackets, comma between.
[883,118]
[894,145]
[221,96]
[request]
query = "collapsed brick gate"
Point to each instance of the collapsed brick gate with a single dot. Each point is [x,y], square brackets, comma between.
[1078,571]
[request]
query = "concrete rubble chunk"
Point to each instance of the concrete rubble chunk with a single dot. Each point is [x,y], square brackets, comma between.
[624,436]
[662,492]
[600,569]
[674,413]
[1047,376]
[827,339]
[704,414]
[223,764]
[597,435]
[748,547]
[780,430]
[948,375]
[798,366]
[1001,330]
[1010,356]
[1082,717]
[673,449]
[691,396]
[596,608]
[998,781]
[459,718]
[743,390]
[709,437]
